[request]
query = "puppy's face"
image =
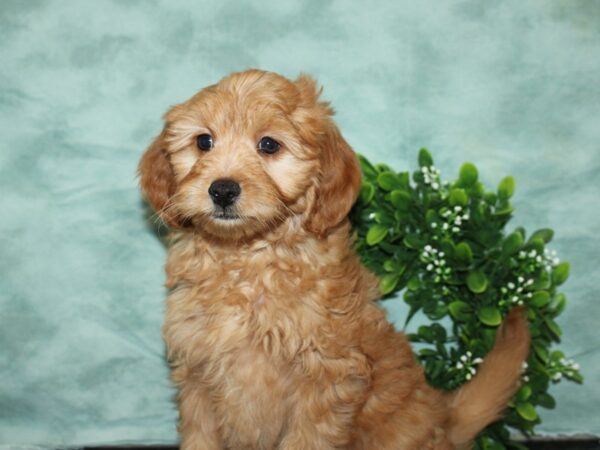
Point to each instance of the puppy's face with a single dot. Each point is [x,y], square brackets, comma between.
[245,154]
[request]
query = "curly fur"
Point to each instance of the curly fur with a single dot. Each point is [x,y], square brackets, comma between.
[271,326]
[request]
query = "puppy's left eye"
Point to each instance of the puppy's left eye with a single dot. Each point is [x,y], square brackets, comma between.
[204,142]
[268,145]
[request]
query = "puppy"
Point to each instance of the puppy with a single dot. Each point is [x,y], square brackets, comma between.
[271,326]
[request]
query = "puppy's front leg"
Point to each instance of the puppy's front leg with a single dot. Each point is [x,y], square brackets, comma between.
[324,414]
[197,424]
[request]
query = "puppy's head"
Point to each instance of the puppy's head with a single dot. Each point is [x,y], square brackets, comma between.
[246,154]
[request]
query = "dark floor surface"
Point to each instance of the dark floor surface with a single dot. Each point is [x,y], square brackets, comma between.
[536,444]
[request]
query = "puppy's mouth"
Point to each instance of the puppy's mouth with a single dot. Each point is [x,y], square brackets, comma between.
[225,214]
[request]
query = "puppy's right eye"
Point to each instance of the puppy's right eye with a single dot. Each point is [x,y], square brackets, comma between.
[204,142]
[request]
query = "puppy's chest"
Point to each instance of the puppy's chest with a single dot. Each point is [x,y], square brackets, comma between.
[247,316]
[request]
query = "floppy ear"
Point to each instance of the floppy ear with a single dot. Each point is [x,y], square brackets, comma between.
[157,180]
[338,183]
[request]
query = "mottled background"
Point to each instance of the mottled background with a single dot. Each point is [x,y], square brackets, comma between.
[512,86]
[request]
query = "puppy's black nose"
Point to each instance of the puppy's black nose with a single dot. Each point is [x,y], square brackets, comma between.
[224,192]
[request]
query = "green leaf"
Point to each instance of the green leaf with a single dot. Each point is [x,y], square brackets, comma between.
[558,303]
[425,333]
[541,351]
[381,167]
[388,283]
[489,315]
[540,299]
[561,273]
[389,265]
[425,159]
[431,216]
[536,244]
[504,209]
[545,400]
[553,326]
[413,241]
[545,234]
[574,376]
[527,411]
[467,175]
[413,284]
[427,352]
[438,312]
[460,310]
[389,181]
[404,179]
[477,282]
[367,168]
[506,188]
[524,393]
[512,244]
[447,246]
[463,252]
[367,191]
[458,197]
[400,199]
[490,198]
[376,234]
[541,282]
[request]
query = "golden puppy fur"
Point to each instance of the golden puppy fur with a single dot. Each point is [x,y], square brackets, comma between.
[271,326]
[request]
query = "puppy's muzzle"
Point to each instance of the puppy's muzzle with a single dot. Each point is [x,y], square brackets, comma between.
[224,192]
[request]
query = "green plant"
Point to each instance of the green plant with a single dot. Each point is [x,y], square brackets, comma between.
[445,245]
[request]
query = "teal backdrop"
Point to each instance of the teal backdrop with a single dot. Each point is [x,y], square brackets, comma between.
[512,86]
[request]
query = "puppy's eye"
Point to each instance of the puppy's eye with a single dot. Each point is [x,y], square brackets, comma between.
[268,145]
[204,142]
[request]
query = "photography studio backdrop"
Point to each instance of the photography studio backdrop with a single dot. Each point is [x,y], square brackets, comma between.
[511,86]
